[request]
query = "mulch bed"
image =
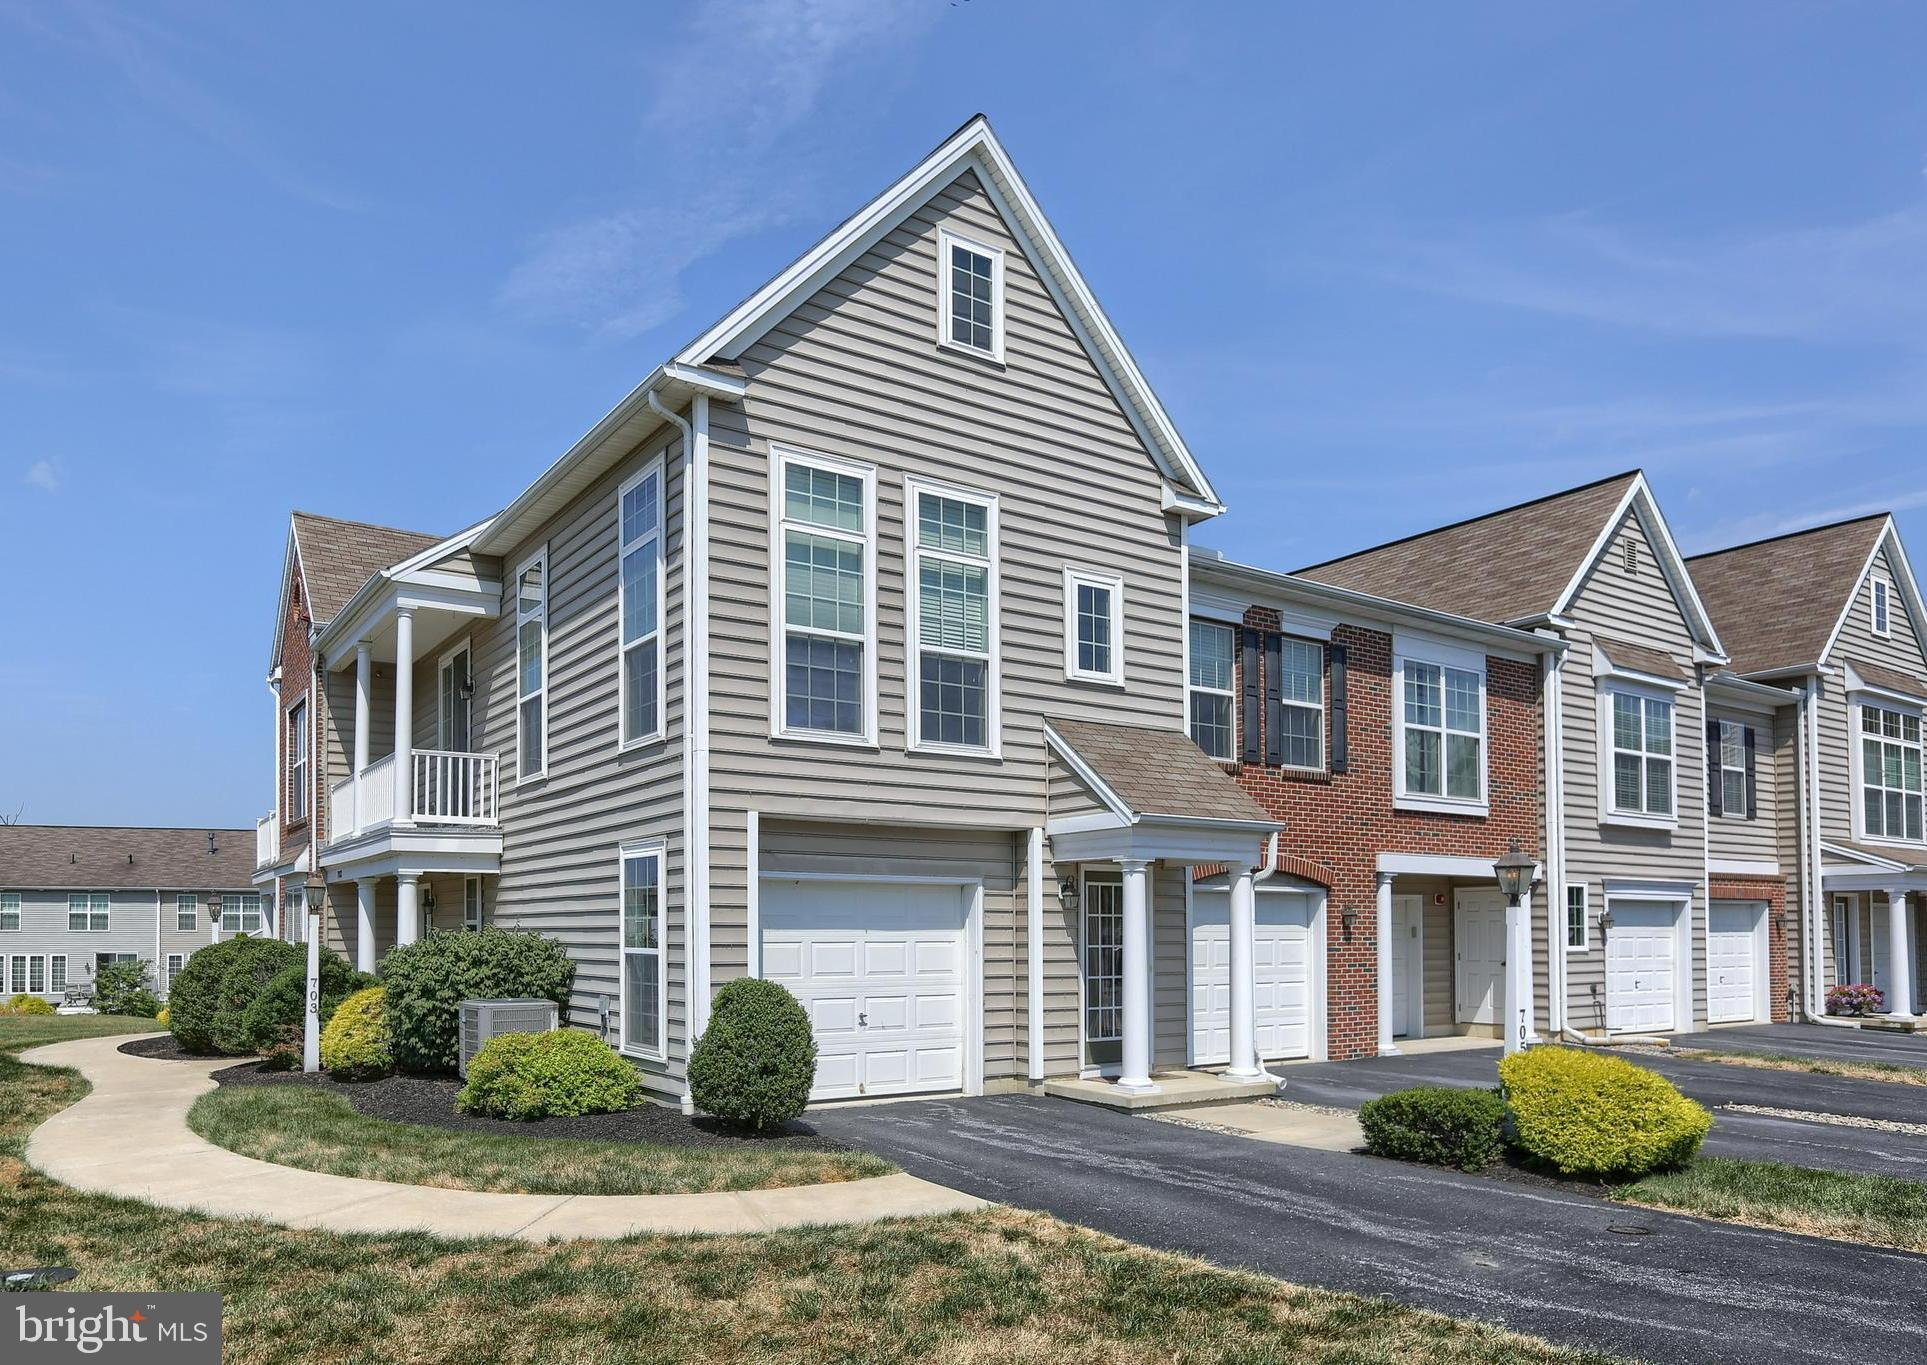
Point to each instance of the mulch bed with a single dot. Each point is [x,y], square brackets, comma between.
[163,1048]
[430,1101]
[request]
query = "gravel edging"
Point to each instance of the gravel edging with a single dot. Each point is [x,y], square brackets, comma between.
[429,1101]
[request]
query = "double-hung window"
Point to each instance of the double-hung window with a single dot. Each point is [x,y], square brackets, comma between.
[241,914]
[826,538]
[88,912]
[9,911]
[1442,732]
[1301,704]
[1732,761]
[1578,927]
[970,295]
[640,531]
[1640,746]
[471,903]
[298,760]
[1213,704]
[531,667]
[953,565]
[1093,626]
[1890,778]
[175,962]
[643,1014]
[1882,606]
[57,972]
[185,910]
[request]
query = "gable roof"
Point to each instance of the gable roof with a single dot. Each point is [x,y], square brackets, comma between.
[116,857]
[1155,772]
[334,558]
[1778,602]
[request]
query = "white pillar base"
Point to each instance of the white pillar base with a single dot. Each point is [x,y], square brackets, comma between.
[1243,929]
[1900,986]
[408,915]
[365,926]
[1387,994]
[1135,1077]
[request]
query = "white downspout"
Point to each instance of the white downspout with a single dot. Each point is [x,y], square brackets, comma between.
[1813,891]
[1553,707]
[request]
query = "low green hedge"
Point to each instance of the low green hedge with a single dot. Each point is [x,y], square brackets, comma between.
[428,979]
[1589,1114]
[1436,1125]
[194,1000]
[539,1075]
[755,1063]
[276,1016]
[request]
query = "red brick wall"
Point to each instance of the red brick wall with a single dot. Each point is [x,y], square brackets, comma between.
[1772,890]
[1336,824]
[297,681]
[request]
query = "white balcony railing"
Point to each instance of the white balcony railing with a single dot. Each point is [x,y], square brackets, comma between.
[267,839]
[448,789]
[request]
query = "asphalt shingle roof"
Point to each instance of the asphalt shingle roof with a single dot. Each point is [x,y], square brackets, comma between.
[1158,772]
[1655,663]
[1890,678]
[337,557]
[1775,602]
[109,857]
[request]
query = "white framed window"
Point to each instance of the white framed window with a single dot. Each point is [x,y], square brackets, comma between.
[1578,919]
[532,666]
[970,295]
[241,913]
[1890,774]
[1213,703]
[175,962]
[1639,749]
[953,600]
[298,761]
[1732,764]
[17,981]
[89,912]
[1301,709]
[645,1025]
[9,911]
[36,975]
[186,912]
[471,903]
[57,972]
[1882,592]
[824,609]
[1439,742]
[639,541]
[1093,626]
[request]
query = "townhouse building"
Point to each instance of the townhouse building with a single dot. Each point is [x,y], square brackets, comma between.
[75,897]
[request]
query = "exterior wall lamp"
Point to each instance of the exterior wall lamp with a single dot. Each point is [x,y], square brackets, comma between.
[1067,891]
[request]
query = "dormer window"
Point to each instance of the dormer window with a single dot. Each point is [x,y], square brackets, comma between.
[970,295]
[1882,607]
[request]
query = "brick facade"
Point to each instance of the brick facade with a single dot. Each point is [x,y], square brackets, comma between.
[297,682]
[1336,824]
[1779,956]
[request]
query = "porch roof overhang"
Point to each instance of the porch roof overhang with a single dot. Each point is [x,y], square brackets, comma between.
[1156,838]
[286,867]
[406,851]
[1853,867]
[444,598]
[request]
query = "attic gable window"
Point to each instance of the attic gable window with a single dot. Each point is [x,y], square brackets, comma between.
[1882,607]
[970,295]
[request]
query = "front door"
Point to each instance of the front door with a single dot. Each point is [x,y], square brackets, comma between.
[1408,989]
[1478,929]
[452,701]
[1103,953]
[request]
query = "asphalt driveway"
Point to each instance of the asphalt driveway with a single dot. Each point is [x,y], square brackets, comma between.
[1536,1259]
[1823,1041]
[1715,1084]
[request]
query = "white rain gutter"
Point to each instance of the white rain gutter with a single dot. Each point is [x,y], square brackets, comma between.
[1553,708]
[1812,892]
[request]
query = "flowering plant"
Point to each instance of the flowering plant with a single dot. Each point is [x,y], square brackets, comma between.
[1855,999]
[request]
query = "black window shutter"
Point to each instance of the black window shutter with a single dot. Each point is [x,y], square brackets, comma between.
[1252,749]
[1752,780]
[1274,698]
[1713,775]
[1340,747]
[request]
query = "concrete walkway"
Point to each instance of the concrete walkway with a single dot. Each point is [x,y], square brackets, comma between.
[129,1137]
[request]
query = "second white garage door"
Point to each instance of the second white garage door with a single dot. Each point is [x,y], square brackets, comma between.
[1283,962]
[1642,966]
[882,969]
[1732,961]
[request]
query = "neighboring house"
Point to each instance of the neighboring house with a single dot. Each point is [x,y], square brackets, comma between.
[1402,750]
[1835,614]
[849,650]
[75,896]
[1627,856]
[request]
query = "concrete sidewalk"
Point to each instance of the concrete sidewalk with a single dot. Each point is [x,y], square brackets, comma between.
[130,1138]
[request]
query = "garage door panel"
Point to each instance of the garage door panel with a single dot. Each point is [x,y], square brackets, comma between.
[1282,962]
[937,957]
[831,959]
[1732,967]
[1642,975]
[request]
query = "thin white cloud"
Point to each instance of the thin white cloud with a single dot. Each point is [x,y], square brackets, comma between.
[42,474]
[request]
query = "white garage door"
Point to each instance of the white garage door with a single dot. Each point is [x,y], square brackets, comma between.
[1642,966]
[1732,962]
[1282,1006]
[882,970]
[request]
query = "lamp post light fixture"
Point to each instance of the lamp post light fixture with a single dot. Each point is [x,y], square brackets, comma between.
[1067,891]
[1514,874]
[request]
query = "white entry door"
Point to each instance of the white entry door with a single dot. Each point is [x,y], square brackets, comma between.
[1732,962]
[1478,928]
[1642,966]
[1282,965]
[883,971]
[1408,993]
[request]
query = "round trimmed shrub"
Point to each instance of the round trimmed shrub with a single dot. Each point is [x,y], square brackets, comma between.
[277,1015]
[28,1004]
[242,983]
[1437,1125]
[428,979]
[535,1075]
[756,1061]
[354,1042]
[195,998]
[1590,1114]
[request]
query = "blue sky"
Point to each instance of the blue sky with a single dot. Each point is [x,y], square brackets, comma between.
[1387,268]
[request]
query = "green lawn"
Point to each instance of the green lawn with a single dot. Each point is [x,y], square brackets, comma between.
[1899,1072]
[1875,1210]
[18,1032]
[999,1286]
[317,1131]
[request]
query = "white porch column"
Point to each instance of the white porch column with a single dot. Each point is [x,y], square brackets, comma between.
[1244,977]
[1136,1077]
[1900,965]
[404,716]
[364,685]
[1387,995]
[1515,1016]
[365,925]
[408,915]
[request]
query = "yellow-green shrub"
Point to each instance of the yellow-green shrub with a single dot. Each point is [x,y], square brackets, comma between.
[354,1043]
[163,1017]
[28,1004]
[1587,1113]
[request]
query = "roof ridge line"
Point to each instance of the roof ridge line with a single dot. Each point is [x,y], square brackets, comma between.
[1789,535]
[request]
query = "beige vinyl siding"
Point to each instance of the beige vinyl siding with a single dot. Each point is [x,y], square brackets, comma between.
[562,832]
[1838,726]
[1733,834]
[1170,969]
[1788,826]
[1638,609]
[1067,797]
